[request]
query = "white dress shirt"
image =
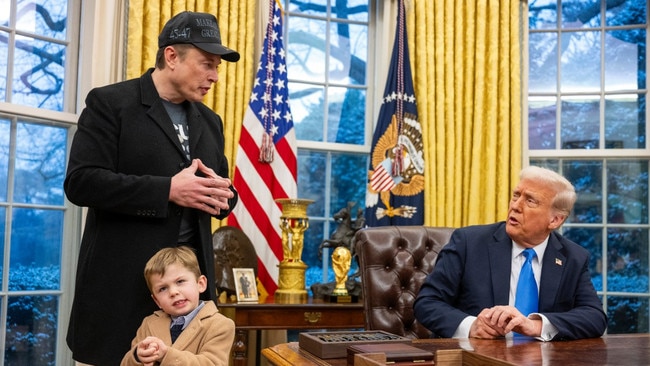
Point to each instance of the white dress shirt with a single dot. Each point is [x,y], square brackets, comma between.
[548,329]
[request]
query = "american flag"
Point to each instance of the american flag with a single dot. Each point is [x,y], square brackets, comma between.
[395,194]
[266,164]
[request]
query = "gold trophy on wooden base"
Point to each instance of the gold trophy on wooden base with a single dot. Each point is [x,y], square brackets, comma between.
[341,261]
[293,223]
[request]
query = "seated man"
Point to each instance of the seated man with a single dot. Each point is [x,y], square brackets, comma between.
[472,291]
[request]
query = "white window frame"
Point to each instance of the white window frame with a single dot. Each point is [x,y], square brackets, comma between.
[601,153]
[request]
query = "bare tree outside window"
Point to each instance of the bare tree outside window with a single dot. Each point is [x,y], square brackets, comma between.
[34,45]
[327,57]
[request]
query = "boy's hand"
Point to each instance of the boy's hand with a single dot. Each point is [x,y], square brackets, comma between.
[150,350]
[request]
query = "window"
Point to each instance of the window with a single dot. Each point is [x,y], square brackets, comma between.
[36,107]
[587,119]
[327,65]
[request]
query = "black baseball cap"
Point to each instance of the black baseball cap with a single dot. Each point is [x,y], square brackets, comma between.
[198,29]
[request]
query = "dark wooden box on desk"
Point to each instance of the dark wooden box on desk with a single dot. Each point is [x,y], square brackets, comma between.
[394,353]
[328,345]
[454,357]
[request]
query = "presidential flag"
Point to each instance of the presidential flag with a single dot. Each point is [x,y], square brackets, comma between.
[266,164]
[395,194]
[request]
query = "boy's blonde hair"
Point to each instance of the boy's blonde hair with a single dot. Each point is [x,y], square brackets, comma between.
[165,257]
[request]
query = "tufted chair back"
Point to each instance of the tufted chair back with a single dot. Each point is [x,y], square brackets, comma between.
[393,262]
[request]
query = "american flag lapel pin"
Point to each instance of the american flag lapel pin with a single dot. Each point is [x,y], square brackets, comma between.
[558,261]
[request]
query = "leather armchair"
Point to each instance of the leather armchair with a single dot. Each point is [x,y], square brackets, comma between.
[393,263]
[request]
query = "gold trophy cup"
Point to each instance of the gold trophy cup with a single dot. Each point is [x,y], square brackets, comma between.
[341,260]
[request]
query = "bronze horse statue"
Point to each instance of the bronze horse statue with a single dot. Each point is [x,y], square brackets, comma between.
[342,236]
[344,233]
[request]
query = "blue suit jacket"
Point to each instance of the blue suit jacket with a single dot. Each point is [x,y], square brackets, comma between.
[473,273]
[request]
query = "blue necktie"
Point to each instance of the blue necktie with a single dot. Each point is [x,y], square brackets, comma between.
[526,298]
[176,329]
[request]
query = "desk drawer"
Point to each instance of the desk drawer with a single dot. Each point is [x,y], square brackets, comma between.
[299,318]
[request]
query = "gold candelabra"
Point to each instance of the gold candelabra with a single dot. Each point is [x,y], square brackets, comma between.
[293,223]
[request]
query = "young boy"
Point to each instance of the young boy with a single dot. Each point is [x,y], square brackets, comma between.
[175,282]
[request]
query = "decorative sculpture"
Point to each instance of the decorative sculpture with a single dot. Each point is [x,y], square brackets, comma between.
[293,223]
[341,260]
[344,233]
[231,249]
[342,240]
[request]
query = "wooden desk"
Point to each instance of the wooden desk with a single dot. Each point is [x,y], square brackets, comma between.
[624,349]
[266,314]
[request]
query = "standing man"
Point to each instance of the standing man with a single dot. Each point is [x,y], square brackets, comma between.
[147,160]
[245,284]
[473,290]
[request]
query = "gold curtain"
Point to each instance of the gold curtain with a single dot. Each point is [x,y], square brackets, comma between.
[229,96]
[466,68]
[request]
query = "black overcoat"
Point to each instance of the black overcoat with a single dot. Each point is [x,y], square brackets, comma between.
[122,158]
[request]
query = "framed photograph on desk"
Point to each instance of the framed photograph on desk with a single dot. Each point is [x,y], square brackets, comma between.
[245,284]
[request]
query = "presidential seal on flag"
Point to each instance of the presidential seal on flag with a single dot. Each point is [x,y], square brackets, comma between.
[395,193]
[399,167]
